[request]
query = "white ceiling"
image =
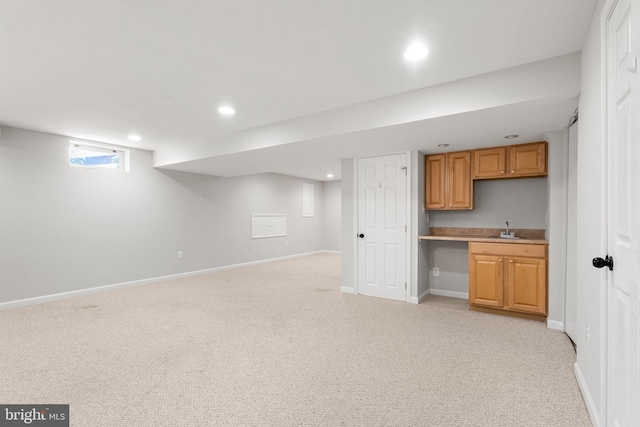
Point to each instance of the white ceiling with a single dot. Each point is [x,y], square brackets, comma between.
[293,69]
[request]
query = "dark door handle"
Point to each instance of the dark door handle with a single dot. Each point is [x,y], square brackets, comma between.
[361,236]
[607,262]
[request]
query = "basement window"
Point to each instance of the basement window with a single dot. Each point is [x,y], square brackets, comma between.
[97,157]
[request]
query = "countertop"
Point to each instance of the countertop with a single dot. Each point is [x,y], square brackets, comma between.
[526,236]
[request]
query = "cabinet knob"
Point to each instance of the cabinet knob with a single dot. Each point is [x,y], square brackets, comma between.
[500,259]
[511,261]
[501,171]
[512,171]
[442,205]
[450,204]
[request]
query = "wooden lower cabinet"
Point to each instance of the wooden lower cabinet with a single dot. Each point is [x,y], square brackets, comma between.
[527,285]
[508,277]
[487,286]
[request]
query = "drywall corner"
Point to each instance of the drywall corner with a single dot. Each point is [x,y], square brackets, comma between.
[348,227]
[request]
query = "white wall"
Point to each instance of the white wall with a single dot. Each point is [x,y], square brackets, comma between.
[64,228]
[348,209]
[419,226]
[522,202]
[571,293]
[331,200]
[590,228]
[557,180]
[452,261]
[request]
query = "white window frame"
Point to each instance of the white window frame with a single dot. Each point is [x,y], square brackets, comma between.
[122,153]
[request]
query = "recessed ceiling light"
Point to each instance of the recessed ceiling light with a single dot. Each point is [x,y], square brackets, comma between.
[133,137]
[415,52]
[226,111]
[443,145]
[329,175]
[511,136]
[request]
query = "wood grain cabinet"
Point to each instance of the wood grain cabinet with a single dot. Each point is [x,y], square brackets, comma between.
[490,163]
[448,183]
[513,161]
[509,278]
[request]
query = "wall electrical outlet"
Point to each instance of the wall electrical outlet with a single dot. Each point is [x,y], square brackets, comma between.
[436,271]
[180,254]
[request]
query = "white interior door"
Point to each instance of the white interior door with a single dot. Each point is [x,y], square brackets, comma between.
[623,202]
[382,226]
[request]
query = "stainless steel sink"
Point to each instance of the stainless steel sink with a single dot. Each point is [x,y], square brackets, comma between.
[506,234]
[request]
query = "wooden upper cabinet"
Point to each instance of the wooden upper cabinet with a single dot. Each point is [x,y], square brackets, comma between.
[435,181]
[459,185]
[489,163]
[528,159]
[448,181]
[513,161]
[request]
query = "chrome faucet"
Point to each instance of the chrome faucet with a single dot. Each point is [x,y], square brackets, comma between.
[507,234]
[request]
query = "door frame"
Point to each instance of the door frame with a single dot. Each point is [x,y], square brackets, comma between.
[604,225]
[409,233]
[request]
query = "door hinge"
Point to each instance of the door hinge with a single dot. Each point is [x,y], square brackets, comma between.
[404,168]
[405,286]
[405,228]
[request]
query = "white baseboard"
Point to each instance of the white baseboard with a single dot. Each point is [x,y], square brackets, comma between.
[586,395]
[326,251]
[420,298]
[555,325]
[347,290]
[89,291]
[452,294]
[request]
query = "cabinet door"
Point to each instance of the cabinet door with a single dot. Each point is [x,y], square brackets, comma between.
[459,185]
[528,159]
[526,285]
[435,181]
[486,284]
[489,163]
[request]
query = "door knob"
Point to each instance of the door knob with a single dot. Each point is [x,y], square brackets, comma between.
[361,236]
[607,262]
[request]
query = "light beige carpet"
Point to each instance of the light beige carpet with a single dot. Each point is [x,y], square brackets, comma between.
[278,344]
